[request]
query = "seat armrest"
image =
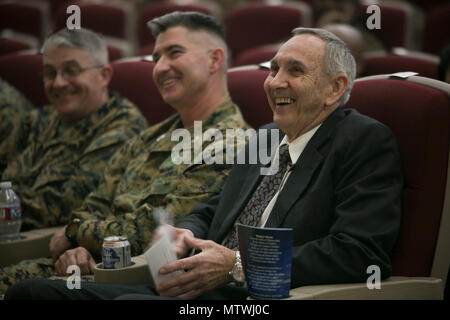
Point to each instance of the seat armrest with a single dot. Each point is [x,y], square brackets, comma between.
[137,273]
[393,288]
[31,245]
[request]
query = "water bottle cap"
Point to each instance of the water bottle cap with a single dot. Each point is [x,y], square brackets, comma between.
[5,184]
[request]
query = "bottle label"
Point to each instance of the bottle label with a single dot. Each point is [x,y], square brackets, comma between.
[11,213]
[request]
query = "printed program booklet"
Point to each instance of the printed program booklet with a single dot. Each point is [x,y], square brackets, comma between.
[160,254]
[266,255]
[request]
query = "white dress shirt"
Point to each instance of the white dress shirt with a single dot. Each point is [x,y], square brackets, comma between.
[296,148]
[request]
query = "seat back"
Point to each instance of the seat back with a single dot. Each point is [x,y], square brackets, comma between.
[388,63]
[417,110]
[257,24]
[30,17]
[246,86]
[23,71]
[114,53]
[12,46]
[31,245]
[110,18]
[437,30]
[397,28]
[256,55]
[146,50]
[133,79]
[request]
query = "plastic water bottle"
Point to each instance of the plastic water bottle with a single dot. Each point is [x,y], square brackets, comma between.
[10,213]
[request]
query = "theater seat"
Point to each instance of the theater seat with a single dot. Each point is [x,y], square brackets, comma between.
[133,79]
[32,244]
[246,86]
[110,18]
[259,23]
[13,67]
[400,60]
[146,50]
[436,33]
[26,17]
[8,45]
[417,110]
[397,24]
[137,273]
[256,55]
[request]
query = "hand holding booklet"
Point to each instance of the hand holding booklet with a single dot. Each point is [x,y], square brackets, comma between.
[160,254]
[267,258]
[162,251]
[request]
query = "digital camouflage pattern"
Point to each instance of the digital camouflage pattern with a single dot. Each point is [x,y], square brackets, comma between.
[26,269]
[14,109]
[31,269]
[138,178]
[142,176]
[63,161]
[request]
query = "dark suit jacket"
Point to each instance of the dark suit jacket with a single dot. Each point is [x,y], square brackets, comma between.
[342,199]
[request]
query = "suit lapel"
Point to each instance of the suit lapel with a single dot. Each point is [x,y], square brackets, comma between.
[249,182]
[301,175]
[295,186]
[309,161]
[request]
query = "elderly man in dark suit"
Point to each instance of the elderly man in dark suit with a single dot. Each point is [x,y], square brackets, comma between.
[341,194]
[338,186]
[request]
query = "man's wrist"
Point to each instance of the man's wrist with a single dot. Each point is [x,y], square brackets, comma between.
[72,231]
[237,273]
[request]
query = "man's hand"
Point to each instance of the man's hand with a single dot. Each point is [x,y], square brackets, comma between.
[78,256]
[178,235]
[205,271]
[58,244]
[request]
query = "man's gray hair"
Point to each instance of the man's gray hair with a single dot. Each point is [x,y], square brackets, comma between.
[337,58]
[80,39]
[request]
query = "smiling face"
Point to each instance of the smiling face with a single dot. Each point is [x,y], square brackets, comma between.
[181,71]
[296,88]
[74,97]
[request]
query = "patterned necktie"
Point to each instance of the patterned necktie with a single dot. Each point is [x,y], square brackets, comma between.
[261,197]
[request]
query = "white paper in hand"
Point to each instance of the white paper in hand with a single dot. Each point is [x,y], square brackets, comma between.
[160,254]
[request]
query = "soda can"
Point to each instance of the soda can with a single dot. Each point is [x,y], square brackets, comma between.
[116,252]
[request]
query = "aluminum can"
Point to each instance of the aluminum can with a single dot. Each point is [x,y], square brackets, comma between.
[116,252]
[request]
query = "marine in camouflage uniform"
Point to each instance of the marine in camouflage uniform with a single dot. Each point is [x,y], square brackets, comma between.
[140,177]
[52,179]
[14,109]
[63,161]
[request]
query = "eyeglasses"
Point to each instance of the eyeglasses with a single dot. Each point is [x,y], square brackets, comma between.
[67,72]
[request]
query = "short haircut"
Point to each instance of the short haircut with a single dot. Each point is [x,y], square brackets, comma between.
[194,21]
[337,58]
[189,19]
[80,39]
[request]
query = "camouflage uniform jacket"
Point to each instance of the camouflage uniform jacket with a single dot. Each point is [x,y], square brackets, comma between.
[14,109]
[142,176]
[63,161]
